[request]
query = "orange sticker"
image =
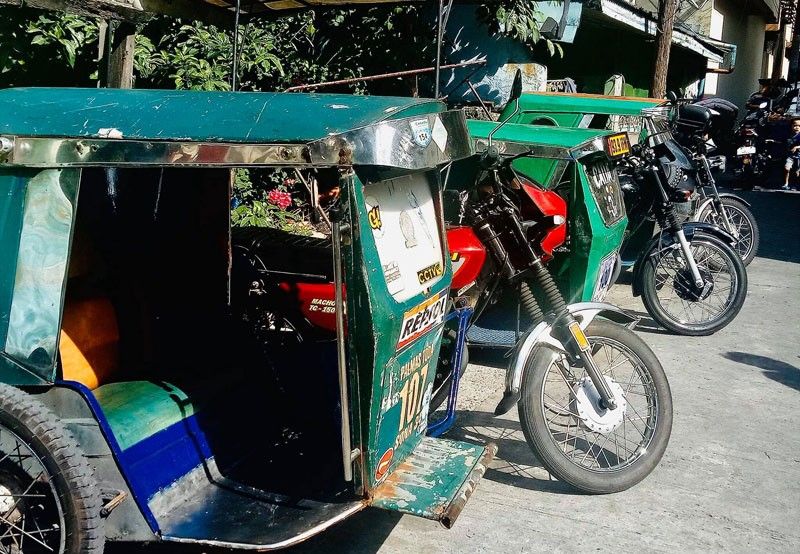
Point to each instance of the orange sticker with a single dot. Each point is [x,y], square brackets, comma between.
[383,464]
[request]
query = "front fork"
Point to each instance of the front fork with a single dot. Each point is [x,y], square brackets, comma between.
[689,257]
[569,333]
[717,201]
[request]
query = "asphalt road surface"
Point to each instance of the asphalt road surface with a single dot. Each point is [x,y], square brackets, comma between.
[729,481]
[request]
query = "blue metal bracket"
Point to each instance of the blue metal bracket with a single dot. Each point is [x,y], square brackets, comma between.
[443,425]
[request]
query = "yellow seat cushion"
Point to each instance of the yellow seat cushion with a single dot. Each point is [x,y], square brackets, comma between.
[89,341]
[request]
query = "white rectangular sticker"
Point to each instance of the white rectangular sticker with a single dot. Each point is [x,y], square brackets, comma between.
[402,215]
[421,319]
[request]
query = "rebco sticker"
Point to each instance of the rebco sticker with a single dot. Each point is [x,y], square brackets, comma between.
[421,319]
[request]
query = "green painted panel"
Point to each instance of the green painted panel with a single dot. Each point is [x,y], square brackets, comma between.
[136,410]
[591,241]
[395,378]
[549,103]
[535,135]
[12,201]
[197,115]
[44,247]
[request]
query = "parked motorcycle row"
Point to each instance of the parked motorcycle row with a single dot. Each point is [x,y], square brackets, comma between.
[540,223]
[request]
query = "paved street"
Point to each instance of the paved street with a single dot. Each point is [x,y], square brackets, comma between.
[730,479]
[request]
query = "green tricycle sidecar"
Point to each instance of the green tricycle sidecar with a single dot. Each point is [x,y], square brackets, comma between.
[133,405]
[575,164]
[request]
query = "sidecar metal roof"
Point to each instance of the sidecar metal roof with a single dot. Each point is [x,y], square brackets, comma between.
[41,127]
[545,141]
[196,116]
[556,102]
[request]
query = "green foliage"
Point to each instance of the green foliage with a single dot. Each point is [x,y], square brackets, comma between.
[517,19]
[39,47]
[197,56]
[46,48]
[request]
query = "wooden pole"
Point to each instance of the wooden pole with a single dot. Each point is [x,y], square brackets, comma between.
[666,20]
[120,66]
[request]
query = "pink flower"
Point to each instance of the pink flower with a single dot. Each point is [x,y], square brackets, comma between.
[281,199]
[289,182]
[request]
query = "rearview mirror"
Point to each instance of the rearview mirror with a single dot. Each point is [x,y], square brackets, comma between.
[516,87]
[672,97]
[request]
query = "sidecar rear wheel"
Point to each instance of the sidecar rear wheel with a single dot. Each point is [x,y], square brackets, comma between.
[598,455]
[49,500]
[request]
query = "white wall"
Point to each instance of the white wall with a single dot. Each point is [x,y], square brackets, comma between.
[747,33]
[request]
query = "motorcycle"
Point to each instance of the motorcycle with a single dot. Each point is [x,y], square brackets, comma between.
[626,114]
[565,375]
[757,151]
[728,211]
[691,279]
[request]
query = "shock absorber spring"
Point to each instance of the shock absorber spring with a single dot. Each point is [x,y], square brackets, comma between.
[545,280]
[529,303]
[671,218]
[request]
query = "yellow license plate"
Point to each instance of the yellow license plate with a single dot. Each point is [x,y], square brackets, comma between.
[618,145]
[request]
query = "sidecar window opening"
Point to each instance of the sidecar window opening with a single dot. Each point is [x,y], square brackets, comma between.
[148,327]
[148,275]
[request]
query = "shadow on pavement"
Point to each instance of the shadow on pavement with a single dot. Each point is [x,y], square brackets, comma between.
[647,324]
[362,533]
[776,213]
[778,371]
[515,464]
[491,357]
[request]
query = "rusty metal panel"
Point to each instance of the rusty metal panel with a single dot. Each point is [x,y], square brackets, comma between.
[436,480]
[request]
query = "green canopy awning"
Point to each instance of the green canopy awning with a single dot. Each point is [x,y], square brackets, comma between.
[196,116]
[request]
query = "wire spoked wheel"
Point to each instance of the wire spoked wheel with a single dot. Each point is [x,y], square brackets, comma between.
[676,302]
[594,449]
[743,222]
[49,500]
[31,519]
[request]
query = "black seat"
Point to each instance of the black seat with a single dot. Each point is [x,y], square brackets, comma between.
[287,255]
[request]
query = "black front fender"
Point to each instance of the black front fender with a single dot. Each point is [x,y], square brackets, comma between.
[735,197]
[665,239]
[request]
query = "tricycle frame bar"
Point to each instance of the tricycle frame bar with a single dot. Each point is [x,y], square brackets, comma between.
[341,350]
[533,150]
[443,425]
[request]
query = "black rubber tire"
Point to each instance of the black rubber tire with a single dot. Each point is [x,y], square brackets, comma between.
[736,204]
[534,422]
[660,316]
[66,464]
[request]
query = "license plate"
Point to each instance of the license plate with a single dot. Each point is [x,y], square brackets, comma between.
[744,150]
[604,277]
[618,145]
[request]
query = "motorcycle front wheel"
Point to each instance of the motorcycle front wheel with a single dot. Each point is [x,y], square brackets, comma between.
[743,221]
[675,302]
[595,450]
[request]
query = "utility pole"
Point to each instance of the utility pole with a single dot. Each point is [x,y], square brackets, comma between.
[667,9]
